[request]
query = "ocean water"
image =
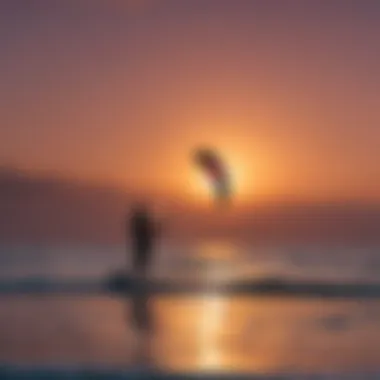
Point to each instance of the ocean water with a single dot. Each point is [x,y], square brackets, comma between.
[194,333]
[330,263]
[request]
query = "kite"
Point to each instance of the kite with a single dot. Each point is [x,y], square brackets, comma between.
[215,170]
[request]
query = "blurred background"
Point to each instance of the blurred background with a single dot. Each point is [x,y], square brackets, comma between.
[102,104]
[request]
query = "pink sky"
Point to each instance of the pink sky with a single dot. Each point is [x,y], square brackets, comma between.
[287,90]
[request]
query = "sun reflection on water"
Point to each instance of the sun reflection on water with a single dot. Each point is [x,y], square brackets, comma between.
[211,322]
[213,308]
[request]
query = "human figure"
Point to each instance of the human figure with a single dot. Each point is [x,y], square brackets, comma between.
[142,234]
[141,230]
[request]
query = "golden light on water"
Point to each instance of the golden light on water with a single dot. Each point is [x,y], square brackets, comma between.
[211,322]
[214,307]
[217,250]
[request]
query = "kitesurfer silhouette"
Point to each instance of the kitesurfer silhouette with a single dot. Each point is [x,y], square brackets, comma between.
[141,231]
[142,234]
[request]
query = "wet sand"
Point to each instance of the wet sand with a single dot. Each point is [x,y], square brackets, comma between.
[193,333]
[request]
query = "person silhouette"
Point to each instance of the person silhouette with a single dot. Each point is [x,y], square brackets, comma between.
[142,233]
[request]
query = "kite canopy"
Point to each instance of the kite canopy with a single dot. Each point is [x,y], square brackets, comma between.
[214,168]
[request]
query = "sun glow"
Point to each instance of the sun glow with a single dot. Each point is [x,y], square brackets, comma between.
[202,188]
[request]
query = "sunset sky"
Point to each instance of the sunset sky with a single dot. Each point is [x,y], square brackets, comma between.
[121,91]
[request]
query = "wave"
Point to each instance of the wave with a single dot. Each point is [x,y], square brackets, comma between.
[126,285]
[16,372]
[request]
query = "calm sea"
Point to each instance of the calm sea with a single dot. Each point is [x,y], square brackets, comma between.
[194,332]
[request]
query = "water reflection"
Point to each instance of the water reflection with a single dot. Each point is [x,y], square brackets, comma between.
[212,308]
[258,335]
[211,319]
[252,334]
[196,333]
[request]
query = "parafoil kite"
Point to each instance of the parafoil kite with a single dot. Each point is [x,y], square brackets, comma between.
[215,170]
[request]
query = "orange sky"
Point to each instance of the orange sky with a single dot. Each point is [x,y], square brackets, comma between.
[288,94]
